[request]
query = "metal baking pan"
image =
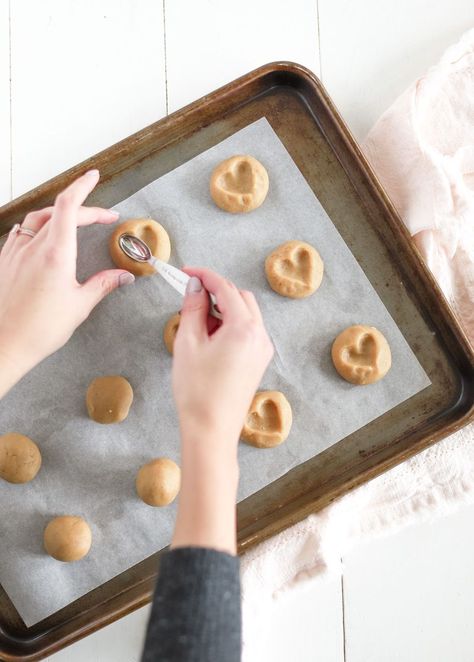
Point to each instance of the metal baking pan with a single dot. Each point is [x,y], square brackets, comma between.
[300,111]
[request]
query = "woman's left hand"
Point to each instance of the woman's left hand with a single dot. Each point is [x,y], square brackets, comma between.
[41,301]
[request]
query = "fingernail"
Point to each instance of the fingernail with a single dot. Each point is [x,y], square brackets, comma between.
[113,213]
[126,278]
[194,285]
[92,173]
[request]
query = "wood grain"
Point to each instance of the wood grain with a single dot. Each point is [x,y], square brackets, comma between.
[410,599]
[84,75]
[5,182]
[218,41]
[371,51]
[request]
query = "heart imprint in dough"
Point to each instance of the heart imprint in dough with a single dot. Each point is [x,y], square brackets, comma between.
[294,269]
[361,354]
[268,420]
[152,233]
[239,180]
[239,184]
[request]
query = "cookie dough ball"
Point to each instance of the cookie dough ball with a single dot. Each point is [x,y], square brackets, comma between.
[361,354]
[152,233]
[239,184]
[268,420]
[170,331]
[20,458]
[109,399]
[294,269]
[67,538]
[158,482]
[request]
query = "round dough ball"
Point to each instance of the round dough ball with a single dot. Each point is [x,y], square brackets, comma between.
[67,538]
[109,399]
[294,269]
[20,458]
[152,233]
[361,354]
[268,421]
[239,184]
[170,331]
[158,482]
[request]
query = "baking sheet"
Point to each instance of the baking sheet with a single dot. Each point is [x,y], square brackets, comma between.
[89,469]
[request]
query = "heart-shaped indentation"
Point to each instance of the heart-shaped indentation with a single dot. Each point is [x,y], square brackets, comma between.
[240,179]
[239,184]
[152,233]
[298,267]
[268,420]
[361,354]
[294,269]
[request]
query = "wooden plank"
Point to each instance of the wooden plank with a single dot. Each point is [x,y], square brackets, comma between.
[5,175]
[371,51]
[304,625]
[208,44]
[408,597]
[121,641]
[84,76]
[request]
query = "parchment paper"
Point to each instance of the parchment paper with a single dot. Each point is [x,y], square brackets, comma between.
[89,469]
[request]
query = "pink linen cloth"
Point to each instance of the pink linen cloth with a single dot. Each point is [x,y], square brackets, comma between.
[422,150]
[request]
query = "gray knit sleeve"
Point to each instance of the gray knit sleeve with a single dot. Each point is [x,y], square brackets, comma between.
[196,614]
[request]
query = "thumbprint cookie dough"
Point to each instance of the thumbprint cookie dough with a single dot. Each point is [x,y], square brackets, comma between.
[170,331]
[20,458]
[158,482]
[268,421]
[67,538]
[108,399]
[361,354]
[152,233]
[294,269]
[239,184]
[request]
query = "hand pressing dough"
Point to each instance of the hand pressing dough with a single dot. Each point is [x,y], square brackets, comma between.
[67,538]
[268,420]
[109,399]
[152,233]
[158,482]
[20,458]
[170,331]
[239,184]
[361,354]
[294,269]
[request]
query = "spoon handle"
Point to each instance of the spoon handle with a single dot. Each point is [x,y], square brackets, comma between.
[179,280]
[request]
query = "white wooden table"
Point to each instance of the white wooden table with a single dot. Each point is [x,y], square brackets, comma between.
[76,77]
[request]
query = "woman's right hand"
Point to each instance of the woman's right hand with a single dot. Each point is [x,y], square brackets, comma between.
[216,370]
[215,375]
